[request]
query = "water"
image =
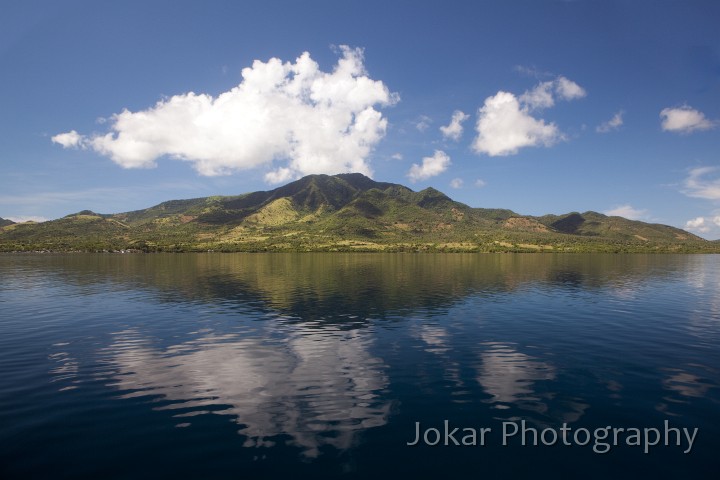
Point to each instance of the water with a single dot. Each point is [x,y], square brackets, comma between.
[320,365]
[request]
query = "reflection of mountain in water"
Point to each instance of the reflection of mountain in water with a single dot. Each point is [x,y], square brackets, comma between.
[329,286]
[320,389]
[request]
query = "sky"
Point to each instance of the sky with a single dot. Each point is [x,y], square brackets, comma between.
[539,106]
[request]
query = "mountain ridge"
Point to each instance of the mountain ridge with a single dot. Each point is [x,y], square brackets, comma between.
[346,212]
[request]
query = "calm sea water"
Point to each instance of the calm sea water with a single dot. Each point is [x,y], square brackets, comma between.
[322,365]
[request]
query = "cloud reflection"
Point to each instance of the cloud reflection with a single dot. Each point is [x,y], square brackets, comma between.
[435,337]
[321,388]
[513,379]
[687,384]
[509,376]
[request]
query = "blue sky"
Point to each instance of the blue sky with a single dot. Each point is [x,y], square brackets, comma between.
[559,106]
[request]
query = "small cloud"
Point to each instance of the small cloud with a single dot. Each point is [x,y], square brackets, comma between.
[708,225]
[456,183]
[697,225]
[423,123]
[480,183]
[397,156]
[568,90]
[685,120]
[697,185]
[544,94]
[628,212]
[505,123]
[539,97]
[431,166]
[455,129]
[27,218]
[279,175]
[532,71]
[613,124]
[504,127]
[71,139]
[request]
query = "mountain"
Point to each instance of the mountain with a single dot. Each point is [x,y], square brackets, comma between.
[599,225]
[5,222]
[347,212]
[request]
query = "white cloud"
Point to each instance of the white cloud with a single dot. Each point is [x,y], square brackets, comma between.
[505,124]
[531,71]
[539,97]
[698,186]
[613,124]
[684,120]
[307,120]
[431,166]
[279,175]
[480,183]
[627,211]
[423,123]
[543,95]
[697,225]
[568,90]
[455,129]
[71,139]
[27,218]
[504,127]
[704,225]
[397,156]
[456,183]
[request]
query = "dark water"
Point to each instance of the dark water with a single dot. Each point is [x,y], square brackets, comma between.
[320,365]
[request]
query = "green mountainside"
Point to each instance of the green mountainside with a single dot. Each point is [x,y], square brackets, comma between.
[5,222]
[346,212]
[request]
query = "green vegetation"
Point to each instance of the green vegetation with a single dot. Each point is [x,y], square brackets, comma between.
[346,212]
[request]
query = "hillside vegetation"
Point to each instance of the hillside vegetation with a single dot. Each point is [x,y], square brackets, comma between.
[346,212]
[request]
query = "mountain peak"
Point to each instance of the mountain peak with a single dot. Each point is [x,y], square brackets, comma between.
[362,182]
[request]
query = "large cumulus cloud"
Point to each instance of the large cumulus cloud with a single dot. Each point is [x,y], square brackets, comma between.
[291,117]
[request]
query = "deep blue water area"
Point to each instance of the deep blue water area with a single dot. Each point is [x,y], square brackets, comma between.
[328,365]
